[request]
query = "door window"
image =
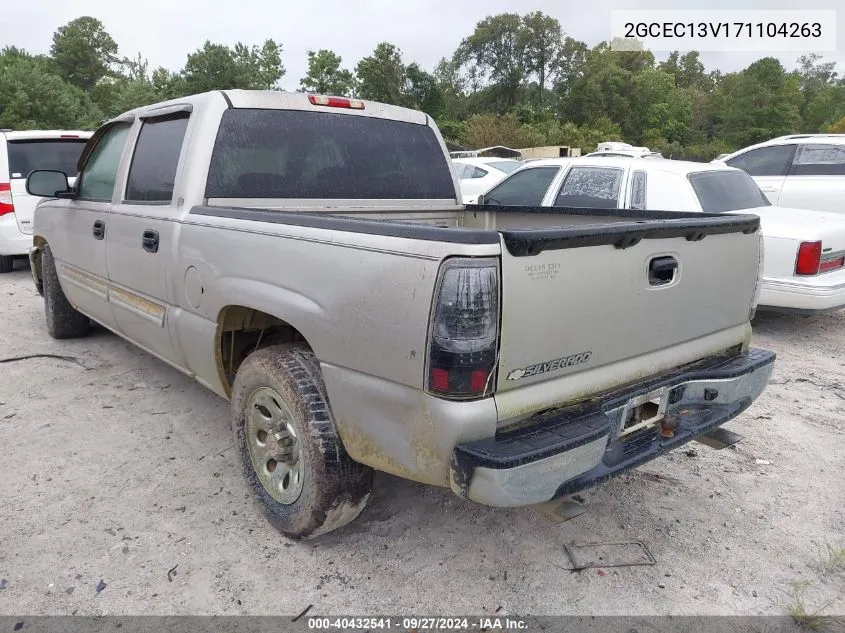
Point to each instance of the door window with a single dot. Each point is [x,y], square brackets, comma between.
[592,187]
[774,160]
[96,181]
[526,187]
[820,160]
[153,170]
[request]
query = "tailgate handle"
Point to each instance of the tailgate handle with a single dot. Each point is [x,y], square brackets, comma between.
[661,270]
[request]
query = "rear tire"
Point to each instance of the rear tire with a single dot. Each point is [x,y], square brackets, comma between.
[63,321]
[7,263]
[291,454]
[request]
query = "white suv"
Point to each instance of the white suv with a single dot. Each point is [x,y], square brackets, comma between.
[21,153]
[805,171]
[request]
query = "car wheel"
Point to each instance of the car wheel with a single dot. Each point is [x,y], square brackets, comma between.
[291,454]
[7,263]
[63,321]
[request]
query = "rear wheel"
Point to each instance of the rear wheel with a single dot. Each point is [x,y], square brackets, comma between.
[7,262]
[291,455]
[63,321]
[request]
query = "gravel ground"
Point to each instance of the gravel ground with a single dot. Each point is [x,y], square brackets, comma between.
[121,471]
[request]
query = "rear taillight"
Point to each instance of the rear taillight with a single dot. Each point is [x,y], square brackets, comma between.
[826,265]
[6,205]
[809,258]
[464,329]
[811,261]
[336,102]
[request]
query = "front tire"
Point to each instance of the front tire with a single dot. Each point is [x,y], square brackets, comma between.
[63,321]
[7,263]
[291,454]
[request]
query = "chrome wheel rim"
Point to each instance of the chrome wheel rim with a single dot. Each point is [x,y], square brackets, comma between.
[274,448]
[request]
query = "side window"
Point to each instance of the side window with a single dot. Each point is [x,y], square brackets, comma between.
[153,169]
[526,187]
[593,187]
[96,181]
[765,161]
[638,179]
[460,170]
[478,173]
[820,160]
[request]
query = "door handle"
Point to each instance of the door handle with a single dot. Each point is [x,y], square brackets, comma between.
[149,241]
[661,270]
[769,189]
[99,230]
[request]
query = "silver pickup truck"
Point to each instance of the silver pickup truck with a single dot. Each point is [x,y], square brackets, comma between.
[307,258]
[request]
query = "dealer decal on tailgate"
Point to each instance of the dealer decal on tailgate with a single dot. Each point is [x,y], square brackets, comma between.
[552,365]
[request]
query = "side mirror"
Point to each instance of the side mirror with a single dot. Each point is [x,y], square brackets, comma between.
[46,183]
[480,200]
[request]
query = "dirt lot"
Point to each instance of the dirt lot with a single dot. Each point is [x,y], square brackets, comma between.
[119,469]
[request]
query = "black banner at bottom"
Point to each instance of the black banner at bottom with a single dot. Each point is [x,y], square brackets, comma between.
[418,624]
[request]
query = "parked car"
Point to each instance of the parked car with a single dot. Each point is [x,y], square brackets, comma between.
[804,171]
[804,263]
[21,153]
[477,175]
[290,251]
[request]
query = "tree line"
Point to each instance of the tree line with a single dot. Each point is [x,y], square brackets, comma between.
[516,80]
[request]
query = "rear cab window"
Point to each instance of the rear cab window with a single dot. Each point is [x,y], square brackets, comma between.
[320,155]
[719,191]
[526,187]
[819,160]
[591,187]
[27,155]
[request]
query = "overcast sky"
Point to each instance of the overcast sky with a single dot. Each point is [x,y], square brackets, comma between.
[165,31]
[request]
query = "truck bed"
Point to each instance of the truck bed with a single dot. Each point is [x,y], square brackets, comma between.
[573,286]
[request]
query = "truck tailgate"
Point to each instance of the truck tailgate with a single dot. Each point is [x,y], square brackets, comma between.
[586,301]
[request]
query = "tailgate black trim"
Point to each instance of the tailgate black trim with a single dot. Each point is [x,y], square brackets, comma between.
[642,225]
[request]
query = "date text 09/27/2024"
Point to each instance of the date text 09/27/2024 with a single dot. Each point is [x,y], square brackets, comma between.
[417,624]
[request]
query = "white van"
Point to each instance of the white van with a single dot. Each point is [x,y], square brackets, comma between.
[21,153]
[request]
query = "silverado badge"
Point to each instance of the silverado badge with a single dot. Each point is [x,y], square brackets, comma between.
[552,365]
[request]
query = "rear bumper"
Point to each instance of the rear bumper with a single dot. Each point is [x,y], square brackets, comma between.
[824,293]
[563,451]
[12,241]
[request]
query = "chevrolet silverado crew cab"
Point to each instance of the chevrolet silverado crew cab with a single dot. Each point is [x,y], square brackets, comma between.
[308,258]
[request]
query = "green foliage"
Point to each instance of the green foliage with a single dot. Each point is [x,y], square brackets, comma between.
[219,67]
[543,48]
[381,76]
[83,52]
[31,97]
[485,130]
[836,128]
[497,50]
[422,92]
[325,76]
[757,104]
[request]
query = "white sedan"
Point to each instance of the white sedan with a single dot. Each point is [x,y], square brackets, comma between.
[477,175]
[804,251]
